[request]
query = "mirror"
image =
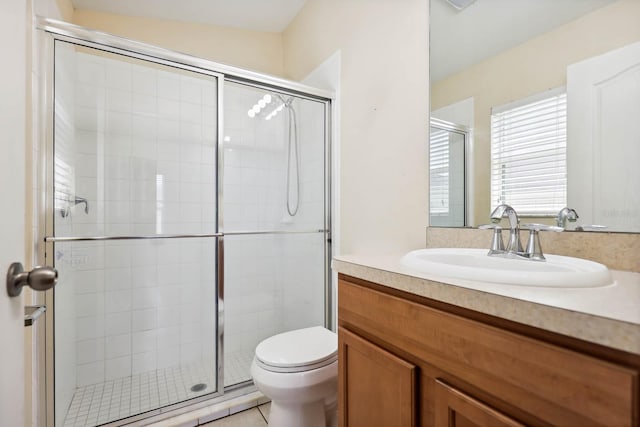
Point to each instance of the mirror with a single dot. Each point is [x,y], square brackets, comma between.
[497,53]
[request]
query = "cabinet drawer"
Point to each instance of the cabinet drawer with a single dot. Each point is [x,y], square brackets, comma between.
[559,386]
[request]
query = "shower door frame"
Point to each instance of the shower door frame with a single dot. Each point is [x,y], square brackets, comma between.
[467,167]
[50,31]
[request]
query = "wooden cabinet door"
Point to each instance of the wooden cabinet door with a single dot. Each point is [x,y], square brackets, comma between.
[454,408]
[375,387]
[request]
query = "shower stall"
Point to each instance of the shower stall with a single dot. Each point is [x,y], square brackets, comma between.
[187,210]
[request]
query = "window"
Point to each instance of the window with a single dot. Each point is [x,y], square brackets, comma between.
[529,154]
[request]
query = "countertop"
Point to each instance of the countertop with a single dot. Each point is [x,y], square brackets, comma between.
[608,315]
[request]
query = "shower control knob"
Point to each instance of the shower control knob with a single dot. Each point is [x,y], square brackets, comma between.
[39,279]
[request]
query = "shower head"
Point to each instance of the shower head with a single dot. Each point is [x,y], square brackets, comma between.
[287,102]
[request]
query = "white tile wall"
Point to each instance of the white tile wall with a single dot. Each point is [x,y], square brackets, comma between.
[143,150]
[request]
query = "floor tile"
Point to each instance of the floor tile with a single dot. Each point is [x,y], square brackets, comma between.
[250,418]
[265,410]
[124,397]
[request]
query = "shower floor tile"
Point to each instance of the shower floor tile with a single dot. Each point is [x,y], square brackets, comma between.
[124,397]
[237,367]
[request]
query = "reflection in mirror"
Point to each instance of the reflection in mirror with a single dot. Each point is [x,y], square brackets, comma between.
[447,187]
[501,54]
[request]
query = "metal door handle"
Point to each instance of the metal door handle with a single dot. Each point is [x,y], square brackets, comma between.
[39,279]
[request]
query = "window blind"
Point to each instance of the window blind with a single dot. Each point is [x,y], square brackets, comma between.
[529,154]
[439,171]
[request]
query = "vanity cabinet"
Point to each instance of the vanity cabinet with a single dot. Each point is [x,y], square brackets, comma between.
[405,360]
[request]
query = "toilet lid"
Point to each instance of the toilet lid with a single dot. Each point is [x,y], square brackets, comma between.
[314,347]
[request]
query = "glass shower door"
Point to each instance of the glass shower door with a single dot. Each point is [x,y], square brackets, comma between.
[133,232]
[275,229]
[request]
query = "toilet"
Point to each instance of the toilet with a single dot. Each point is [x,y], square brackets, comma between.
[298,371]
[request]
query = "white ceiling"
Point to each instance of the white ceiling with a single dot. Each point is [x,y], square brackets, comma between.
[460,39]
[259,15]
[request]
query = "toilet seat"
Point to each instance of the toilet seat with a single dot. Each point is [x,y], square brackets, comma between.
[298,351]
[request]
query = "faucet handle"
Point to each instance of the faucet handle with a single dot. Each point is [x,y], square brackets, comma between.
[534,249]
[497,244]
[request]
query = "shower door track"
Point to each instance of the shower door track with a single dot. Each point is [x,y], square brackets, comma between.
[80,35]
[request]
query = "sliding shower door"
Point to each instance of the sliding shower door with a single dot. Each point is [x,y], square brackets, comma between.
[274,217]
[133,232]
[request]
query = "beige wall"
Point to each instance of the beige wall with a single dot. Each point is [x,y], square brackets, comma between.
[384,113]
[65,8]
[534,67]
[253,50]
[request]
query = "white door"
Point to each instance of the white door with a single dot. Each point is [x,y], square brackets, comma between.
[603,139]
[13,22]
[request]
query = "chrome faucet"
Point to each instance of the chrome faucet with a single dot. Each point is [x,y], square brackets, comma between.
[566,214]
[514,247]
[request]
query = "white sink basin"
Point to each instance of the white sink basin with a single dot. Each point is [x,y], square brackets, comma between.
[474,264]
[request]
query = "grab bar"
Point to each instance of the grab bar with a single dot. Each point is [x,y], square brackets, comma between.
[152,237]
[178,236]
